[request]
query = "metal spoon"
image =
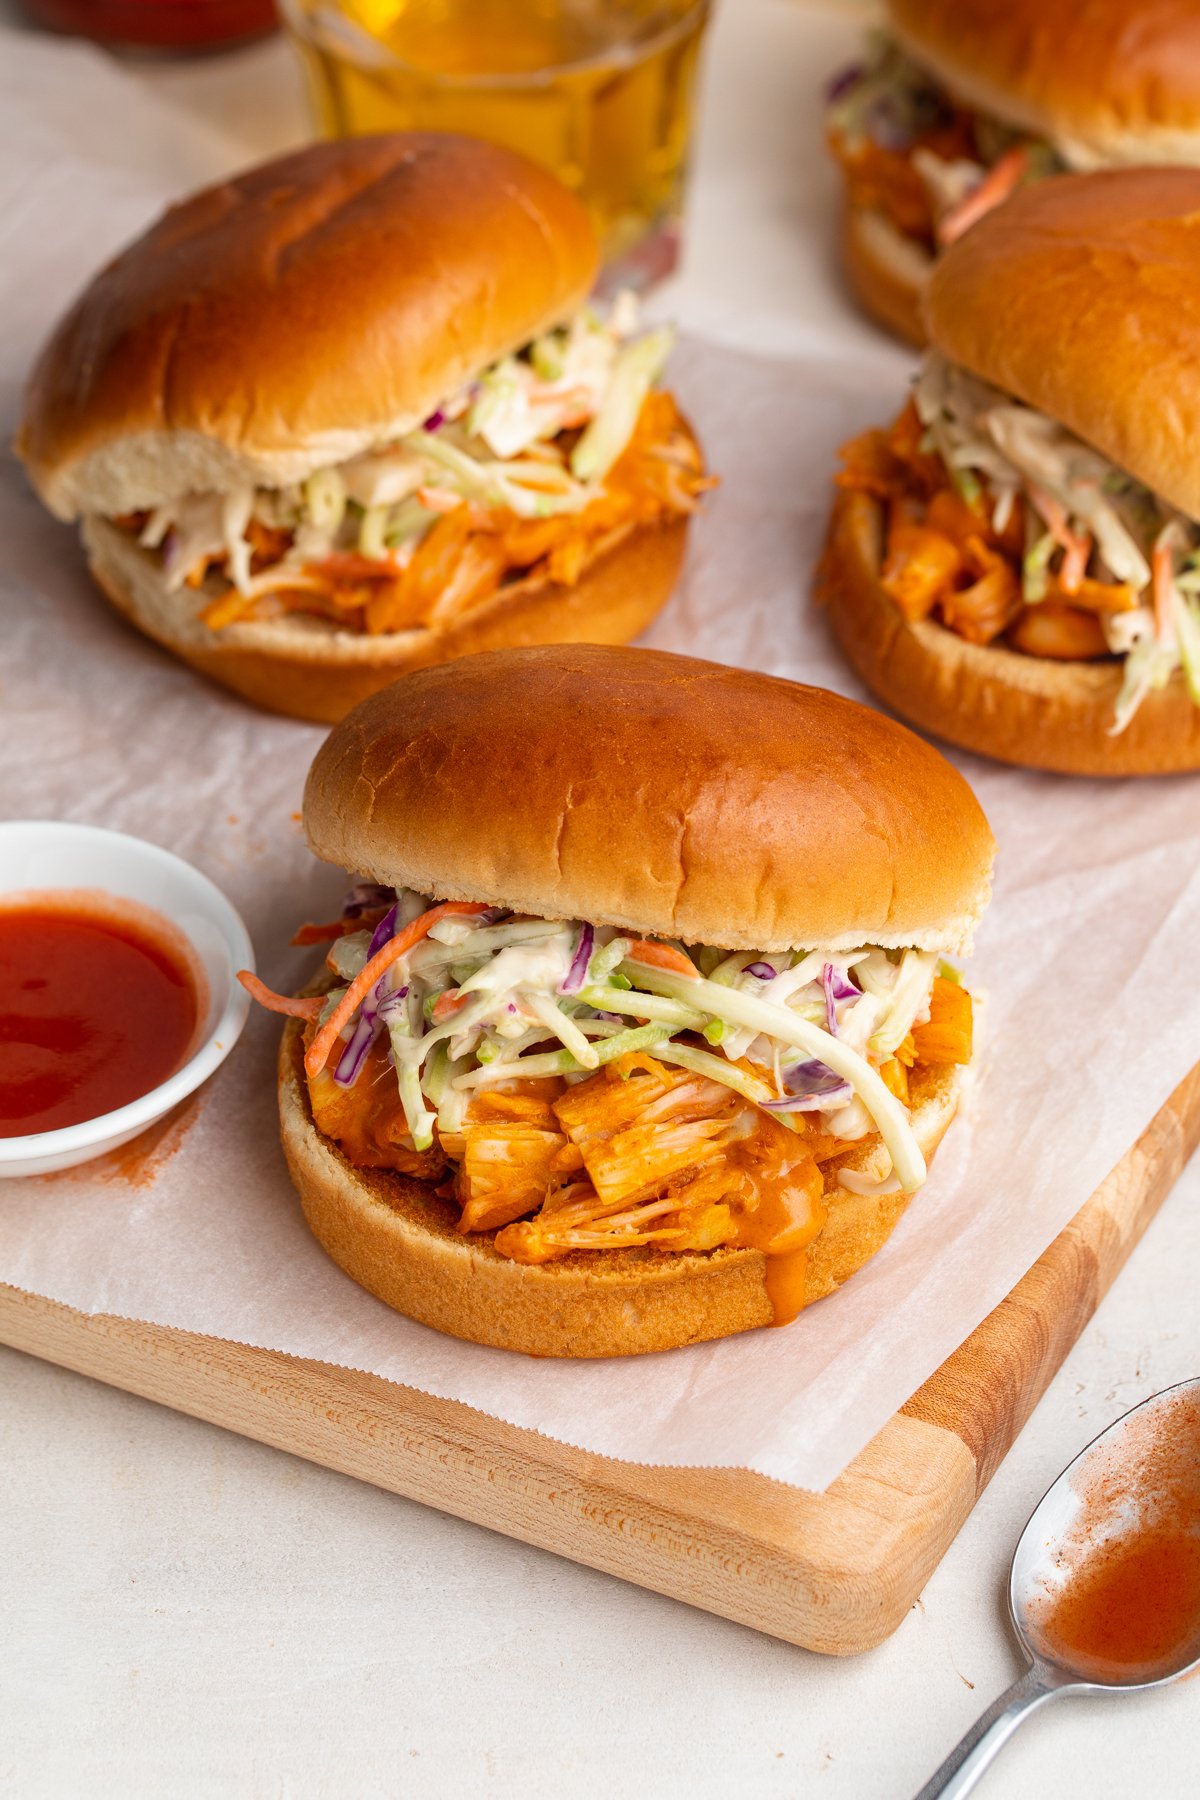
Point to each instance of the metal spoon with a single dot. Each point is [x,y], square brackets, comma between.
[1115,1459]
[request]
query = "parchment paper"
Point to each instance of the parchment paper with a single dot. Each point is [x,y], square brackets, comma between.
[1087,954]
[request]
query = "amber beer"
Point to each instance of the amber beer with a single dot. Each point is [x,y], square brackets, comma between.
[600,91]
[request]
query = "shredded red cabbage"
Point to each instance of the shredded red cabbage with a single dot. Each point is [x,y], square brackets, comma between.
[172,544]
[836,988]
[435,419]
[843,81]
[365,896]
[384,932]
[577,973]
[763,970]
[811,1087]
[350,1063]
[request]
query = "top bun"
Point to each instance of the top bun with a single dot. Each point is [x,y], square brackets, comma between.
[656,793]
[312,308]
[1081,296]
[1110,81]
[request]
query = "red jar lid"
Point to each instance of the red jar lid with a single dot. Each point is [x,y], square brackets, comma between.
[157,24]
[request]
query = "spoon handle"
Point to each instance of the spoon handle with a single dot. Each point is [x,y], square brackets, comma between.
[973,1753]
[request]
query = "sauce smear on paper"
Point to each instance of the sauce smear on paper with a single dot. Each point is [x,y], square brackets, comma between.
[98,1005]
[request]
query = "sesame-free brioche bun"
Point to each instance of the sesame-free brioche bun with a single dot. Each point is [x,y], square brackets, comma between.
[1108,81]
[1031,710]
[310,309]
[657,793]
[397,1238]
[887,272]
[306,668]
[1081,296]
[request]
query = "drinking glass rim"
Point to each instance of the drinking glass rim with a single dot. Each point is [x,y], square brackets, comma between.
[346,35]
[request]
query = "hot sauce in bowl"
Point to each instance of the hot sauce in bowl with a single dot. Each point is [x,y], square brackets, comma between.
[99,1004]
[153,981]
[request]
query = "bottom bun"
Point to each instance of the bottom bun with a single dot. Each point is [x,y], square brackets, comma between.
[887,271]
[1030,710]
[397,1239]
[306,668]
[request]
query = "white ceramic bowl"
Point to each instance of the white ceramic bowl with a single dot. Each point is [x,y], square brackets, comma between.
[37,856]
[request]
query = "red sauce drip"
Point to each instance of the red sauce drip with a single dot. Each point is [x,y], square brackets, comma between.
[97,1007]
[1130,1605]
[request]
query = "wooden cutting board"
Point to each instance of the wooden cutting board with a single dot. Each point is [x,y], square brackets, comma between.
[835,1572]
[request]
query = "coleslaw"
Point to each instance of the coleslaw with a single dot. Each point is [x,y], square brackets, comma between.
[529,446]
[469,1004]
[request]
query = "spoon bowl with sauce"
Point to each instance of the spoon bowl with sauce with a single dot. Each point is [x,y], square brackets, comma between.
[118,995]
[1104,1593]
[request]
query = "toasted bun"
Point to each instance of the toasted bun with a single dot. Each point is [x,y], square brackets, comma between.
[310,309]
[306,668]
[1079,295]
[1107,80]
[656,793]
[1020,709]
[887,271]
[395,1237]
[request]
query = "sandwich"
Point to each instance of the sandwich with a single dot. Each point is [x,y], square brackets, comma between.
[960,102]
[351,413]
[640,1024]
[1014,564]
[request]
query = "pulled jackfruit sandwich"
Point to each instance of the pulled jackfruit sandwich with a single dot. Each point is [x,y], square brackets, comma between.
[958,103]
[640,1028]
[351,413]
[1014,562]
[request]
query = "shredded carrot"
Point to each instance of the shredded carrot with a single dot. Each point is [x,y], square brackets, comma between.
[338,928]
[1163,569]
[447,1004]
[438,499]
[294,1008]
[1078,547]
[1074,564]
[318,1051]
[469,552]
[997,185]
[661,956]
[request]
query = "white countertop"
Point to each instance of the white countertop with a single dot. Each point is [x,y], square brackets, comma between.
[187,1613]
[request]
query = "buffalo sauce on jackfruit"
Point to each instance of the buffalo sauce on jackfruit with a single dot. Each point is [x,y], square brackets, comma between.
[367,1119]
[782,1213]
[776,1186]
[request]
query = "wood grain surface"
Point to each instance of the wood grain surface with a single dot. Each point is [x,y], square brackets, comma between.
[835,1572]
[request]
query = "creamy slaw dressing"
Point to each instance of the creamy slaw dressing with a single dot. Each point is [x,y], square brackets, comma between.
[494,443]
[480,1005]
[985,436]
[891,99]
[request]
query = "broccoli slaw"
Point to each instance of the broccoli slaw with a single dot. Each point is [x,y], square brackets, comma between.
[965,161]
[1078,503]
[470,999]
[534,436]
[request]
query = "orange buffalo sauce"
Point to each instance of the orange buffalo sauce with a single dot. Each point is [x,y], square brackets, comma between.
[786,1217]
[1130,1603]
[98,1005]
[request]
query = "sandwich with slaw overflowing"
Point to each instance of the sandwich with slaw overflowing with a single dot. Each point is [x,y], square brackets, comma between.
[352,413]
[1014,563]
[641,1024]
[960,102]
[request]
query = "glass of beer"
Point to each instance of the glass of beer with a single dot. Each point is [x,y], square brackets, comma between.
[600,91]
